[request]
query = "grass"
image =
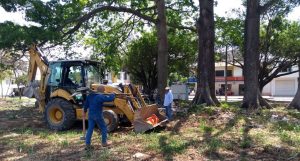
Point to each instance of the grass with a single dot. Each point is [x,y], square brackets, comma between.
[204,128]
[206,133]
[25,147]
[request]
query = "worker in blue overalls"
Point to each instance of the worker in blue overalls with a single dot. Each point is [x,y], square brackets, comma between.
[94,103]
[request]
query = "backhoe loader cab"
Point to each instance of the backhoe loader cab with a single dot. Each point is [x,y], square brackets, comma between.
[70,75]
[62,104]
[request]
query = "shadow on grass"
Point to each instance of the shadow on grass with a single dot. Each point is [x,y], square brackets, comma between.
[169,147]
[15,146]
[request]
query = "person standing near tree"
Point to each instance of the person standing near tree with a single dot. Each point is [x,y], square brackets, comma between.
[168,102]
[94,103]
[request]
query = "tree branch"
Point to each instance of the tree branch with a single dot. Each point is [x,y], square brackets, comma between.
[137,13]
[287,73]
[265,7]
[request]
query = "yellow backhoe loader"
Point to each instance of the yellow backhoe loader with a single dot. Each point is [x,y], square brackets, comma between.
[59,99]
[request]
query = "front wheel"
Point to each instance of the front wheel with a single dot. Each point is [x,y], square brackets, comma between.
[60,114]
[111,120]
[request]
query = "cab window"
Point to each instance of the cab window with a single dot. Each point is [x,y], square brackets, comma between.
[56,74]
[73,76]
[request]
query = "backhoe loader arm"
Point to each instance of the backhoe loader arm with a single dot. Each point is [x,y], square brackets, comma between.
[37,61]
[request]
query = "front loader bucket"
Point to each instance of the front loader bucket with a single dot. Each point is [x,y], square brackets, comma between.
[147,118]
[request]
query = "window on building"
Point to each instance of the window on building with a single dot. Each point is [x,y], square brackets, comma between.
[229,73]
[241,89]
[286,70]
[219,73]
[119,75]
[125,76]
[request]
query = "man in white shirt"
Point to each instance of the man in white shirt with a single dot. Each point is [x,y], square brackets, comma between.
[168,102]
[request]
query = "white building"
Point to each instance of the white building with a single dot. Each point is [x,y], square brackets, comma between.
[117,78]
[235,79]
[6,87]
[282,86]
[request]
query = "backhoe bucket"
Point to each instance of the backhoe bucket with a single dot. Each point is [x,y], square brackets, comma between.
[28,92]
[147,118]
[31,90]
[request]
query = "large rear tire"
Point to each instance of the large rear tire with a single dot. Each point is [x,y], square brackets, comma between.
[60,114]
[111,119]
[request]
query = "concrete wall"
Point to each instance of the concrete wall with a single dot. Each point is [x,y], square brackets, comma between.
[5,87]
[237,72]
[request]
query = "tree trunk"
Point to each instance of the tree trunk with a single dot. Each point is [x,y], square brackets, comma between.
[162,59]
[7,88]
[18,85]
[262,102]
[226,82]
[1,89]
[206,63]
[251,55]
[296,100]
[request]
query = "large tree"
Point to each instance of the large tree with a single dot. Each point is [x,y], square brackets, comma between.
[141,58]
[67,18]
[291,40]
[251,54]
[206,62]
[162,57]
[256,8]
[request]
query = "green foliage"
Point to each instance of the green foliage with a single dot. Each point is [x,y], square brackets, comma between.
[106,31]
[286,40]
[5,74]
[141,59]
[22,79]
[182,53]
[229,31]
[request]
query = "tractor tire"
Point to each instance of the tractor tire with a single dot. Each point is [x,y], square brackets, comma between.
[111,119]
[60,114]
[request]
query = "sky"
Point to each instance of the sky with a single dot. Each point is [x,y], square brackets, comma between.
[223,9]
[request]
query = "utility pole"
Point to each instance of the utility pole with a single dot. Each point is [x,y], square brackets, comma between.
[225,74]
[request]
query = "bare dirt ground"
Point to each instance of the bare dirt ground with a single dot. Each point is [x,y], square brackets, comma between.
[202,133]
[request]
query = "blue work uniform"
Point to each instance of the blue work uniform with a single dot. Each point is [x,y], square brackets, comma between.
[94,103]
[168,104]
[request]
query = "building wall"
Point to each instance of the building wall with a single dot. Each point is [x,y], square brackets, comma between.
[267,90]
[237,72]
[6,87]
[282,86]
[235,86]
[117,78]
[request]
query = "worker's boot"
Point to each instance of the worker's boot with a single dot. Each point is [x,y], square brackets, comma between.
[108,143]
[88,148]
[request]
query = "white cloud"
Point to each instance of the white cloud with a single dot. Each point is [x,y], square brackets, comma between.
[295,14]
[15,17]
[224,8]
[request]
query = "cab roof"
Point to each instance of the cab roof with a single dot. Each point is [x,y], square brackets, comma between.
[84,61]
